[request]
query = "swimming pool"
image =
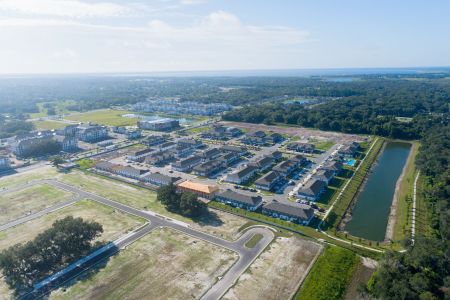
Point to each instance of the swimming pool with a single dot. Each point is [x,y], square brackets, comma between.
[350,162]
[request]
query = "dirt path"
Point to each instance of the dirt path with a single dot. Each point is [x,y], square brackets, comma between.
[393,213]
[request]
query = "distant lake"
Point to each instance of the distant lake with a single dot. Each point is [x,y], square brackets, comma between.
[158,117]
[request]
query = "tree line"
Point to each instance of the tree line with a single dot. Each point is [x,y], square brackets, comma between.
[65,242]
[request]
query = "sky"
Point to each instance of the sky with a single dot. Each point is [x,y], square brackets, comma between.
[87,36]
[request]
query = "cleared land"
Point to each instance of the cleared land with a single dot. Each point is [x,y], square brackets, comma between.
[30,200]
[217,223]
[164,264]
[105,117]
[330,275]
[48,125]
[21,178]
[277,272]
[115,223]
[362,274]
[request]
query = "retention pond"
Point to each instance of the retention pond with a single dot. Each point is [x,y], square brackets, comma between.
[371,212]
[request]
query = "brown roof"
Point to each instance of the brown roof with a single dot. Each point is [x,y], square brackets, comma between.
[199,187]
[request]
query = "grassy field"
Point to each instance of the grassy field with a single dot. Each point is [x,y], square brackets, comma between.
[197,130]
[21,178]
[323,145]
[29,200]
[330,275]
[115,223]
[277,272]
[254,240]
[105,117]
[61,107]
[164,264]
[402,227]
[48,125]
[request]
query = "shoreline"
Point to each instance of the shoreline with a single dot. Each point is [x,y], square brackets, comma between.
[349,212]
[392,218]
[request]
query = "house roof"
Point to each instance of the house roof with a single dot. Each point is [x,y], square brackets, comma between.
[302,211]
[230,148]
[160,177]
[313,187]
[268,178]
[333,165]
[323,173]
[247,199]
[264,161]
[199,187]
[244,171]
[187,161]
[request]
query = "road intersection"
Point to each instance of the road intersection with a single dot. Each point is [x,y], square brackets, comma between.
[246,255]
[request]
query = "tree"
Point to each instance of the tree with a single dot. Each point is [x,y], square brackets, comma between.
[190,205]
[168,196]
[57,160]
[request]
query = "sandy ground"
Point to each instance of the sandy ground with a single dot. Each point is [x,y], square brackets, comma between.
[222,224]
[362,274]
[114,223]
[30,200]
[164,264]
[301,132]
[394,206]
[277,273]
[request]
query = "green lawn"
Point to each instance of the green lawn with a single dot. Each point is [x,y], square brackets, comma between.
[330,275]
[324,145]
[108,117]
[254,240]
[402,227]
[48,125]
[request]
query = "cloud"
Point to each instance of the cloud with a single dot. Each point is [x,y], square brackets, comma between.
[63,8]
[192,2]
[219,40]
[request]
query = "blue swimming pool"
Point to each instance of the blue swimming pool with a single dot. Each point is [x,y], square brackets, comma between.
[350,162]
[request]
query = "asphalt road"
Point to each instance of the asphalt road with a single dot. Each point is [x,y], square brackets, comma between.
[246,255]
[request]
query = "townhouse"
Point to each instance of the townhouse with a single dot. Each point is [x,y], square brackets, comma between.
[296,213]
[239,200]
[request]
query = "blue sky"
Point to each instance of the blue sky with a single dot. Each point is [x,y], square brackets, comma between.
[67,36]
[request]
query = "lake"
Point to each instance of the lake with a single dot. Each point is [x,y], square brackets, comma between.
[371,212]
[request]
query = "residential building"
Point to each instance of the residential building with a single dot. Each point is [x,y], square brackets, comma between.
[349,150]
[130,172]
[105,166]
[243,175]
[186,164]
[277,156]
[70,130]
[119,129]
[228,158]
[139,155]
[167,146]
[301,147]
[159,179]
[297,213]
[23,145]
[263,163]
[4,162]
[175,106]
[165,124]
[312,189]
[274,138]
[202,190]
[133,134]
[324,175]
[69,144]
[209,154]
[269,181]
[335,166]
[182,150]
[91,133]
[154,140]
[208,168]
[286,167]
[189,143]
[240,151]
[159,158]
[239,200]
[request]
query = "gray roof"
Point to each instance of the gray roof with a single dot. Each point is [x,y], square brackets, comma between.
[333,165]
[230,148]
[160,177]
[245,171]
[232,195]
[187,161]
[268,178]
[302,211]
[312,187]
[323,173]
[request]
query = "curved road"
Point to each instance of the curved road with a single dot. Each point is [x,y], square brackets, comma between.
[246,255]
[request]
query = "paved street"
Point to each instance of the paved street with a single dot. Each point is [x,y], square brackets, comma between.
[246,255]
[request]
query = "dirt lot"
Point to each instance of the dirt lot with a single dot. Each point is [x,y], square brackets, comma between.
[362,274]
[114,223]
[303,133]
[30,200]
[165,264]
[277,273]
[221,224]
[20,178]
